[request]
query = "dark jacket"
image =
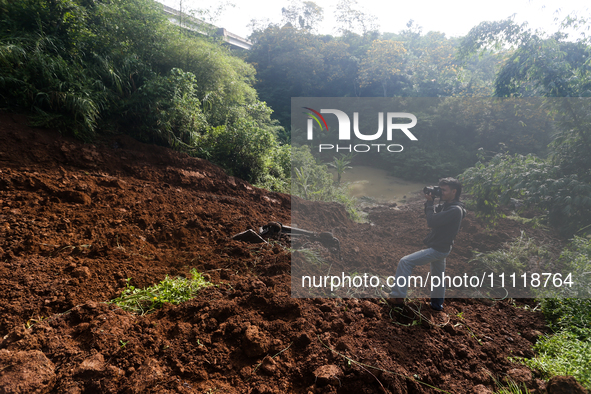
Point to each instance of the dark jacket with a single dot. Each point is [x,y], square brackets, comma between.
[444,220]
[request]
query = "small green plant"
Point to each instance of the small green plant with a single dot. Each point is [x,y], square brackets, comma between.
[122,343]
[511,388]
[525,307]
[341,164]
[310,256]
[568,314]
[31,322]
[173,291]
[535,222]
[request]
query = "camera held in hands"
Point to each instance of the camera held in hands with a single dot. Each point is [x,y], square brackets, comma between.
[434,191]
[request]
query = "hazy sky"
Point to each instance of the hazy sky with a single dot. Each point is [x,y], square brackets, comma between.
[454,18]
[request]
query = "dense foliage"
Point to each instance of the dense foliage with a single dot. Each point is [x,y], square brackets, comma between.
[92,67]
[295,62]
[560,183]
[455,130]
[292,61]
[312,181]
[567,309]
[536,183]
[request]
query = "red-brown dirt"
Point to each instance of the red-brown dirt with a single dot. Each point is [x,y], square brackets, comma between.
[77,220]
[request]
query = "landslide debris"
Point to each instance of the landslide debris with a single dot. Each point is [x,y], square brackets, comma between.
[77,220]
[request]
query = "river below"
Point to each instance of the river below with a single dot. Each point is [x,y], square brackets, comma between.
[373,183]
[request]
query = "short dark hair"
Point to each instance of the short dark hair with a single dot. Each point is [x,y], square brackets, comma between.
[453,183]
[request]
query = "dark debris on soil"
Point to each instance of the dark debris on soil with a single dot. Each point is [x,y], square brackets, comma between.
[77,220]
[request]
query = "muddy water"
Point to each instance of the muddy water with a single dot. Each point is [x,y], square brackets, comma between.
[377,184]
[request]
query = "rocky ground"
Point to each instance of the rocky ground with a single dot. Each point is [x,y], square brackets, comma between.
[77,220]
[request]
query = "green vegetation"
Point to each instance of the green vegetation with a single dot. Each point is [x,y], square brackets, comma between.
[313,181]
[511,387]
[407,64]
[106,66]
[563,354]
[558,184]
[341,164]
[310,256]
[495,182]
[96,67]
[539,183]
[173,291]
[566,351]
[521,255]
[458,132]
[557,69]
[364,63]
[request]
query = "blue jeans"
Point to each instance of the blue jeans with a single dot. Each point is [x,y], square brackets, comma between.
[422,257]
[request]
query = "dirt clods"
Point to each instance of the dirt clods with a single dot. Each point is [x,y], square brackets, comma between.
[80,222]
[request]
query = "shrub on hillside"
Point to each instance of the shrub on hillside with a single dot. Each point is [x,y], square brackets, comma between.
[88,67]
[565,198]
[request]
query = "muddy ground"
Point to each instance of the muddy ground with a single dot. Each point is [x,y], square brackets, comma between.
[77,220]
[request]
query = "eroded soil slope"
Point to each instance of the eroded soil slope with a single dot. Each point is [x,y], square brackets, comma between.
[77,220]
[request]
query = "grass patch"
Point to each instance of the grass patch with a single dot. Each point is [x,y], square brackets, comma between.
[311,180]
[523,254]
[567,351]
[173,291]
[563,354]
[535,222]
[309,256]
[511,387]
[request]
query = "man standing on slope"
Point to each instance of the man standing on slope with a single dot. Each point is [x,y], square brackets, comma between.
[444,220]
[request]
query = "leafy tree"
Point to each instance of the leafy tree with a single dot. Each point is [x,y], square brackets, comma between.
[280,77]
[539,65]
[433,65]
[302,14]
[572,143]
[382,62]
[167,110]
[434,70]
[352,19]
[552,67]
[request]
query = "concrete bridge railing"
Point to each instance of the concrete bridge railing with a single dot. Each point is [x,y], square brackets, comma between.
[197,25]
